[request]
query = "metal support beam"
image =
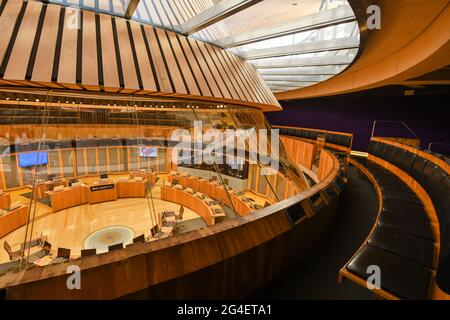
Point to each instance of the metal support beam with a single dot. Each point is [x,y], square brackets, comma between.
[299,78]
[302,48]
[130,7]
[281,88]
[214,14]
[288,84]
[327,70]
[303,62]
[316,21]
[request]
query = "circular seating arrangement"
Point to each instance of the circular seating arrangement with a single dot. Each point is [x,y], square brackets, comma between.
[403,243]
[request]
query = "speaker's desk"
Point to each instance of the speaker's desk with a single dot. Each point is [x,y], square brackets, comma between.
[102,192]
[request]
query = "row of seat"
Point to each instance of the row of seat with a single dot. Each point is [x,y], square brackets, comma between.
[344,140]
[402,242]
[436,182]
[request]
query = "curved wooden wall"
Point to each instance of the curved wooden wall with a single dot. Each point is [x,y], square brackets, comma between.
[38,48]
[215,263]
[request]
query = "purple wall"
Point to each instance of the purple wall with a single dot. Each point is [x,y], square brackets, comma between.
[425,113]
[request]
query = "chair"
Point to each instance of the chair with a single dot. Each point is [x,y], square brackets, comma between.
[154,231]
[167,214]
[63,253]
[115,247]
[179,217]
[47,247]
[88,252]
[12,255]
[139,239]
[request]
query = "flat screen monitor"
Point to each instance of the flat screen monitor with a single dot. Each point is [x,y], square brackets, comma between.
[33,159]
[104,176]
[149,152]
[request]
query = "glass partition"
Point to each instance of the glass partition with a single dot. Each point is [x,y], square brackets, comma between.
[90,172]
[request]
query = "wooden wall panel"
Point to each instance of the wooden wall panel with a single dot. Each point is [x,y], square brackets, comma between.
[223,88]
[174,71]
[110,73]
[158,62]
[222,74]
[299,151]
[63,48]
[89,55]
[184,64]
[43,65]
[229,74]
[205,68]
[196,69]
[67,71]
[7,21]
[237,75]
[126,57]
[146,69]
[20,55]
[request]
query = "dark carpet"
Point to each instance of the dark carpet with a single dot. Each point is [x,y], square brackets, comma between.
[315,277]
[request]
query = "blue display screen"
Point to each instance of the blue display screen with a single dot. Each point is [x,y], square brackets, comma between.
[33,159]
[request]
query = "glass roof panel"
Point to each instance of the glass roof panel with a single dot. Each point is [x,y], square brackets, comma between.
[268,13]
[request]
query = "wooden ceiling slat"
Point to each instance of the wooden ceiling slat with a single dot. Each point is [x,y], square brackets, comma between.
[43,65]
[110,74]
[90,59]
[148,80]
[112,54]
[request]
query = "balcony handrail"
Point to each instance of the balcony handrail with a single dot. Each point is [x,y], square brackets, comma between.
[392,121]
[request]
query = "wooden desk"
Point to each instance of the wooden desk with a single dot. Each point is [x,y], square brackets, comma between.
[5,201]
[150,176]
[13,220]
[102,192]
[132,189]
[217,192]
[189,201]
[41,188]
[69,197]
